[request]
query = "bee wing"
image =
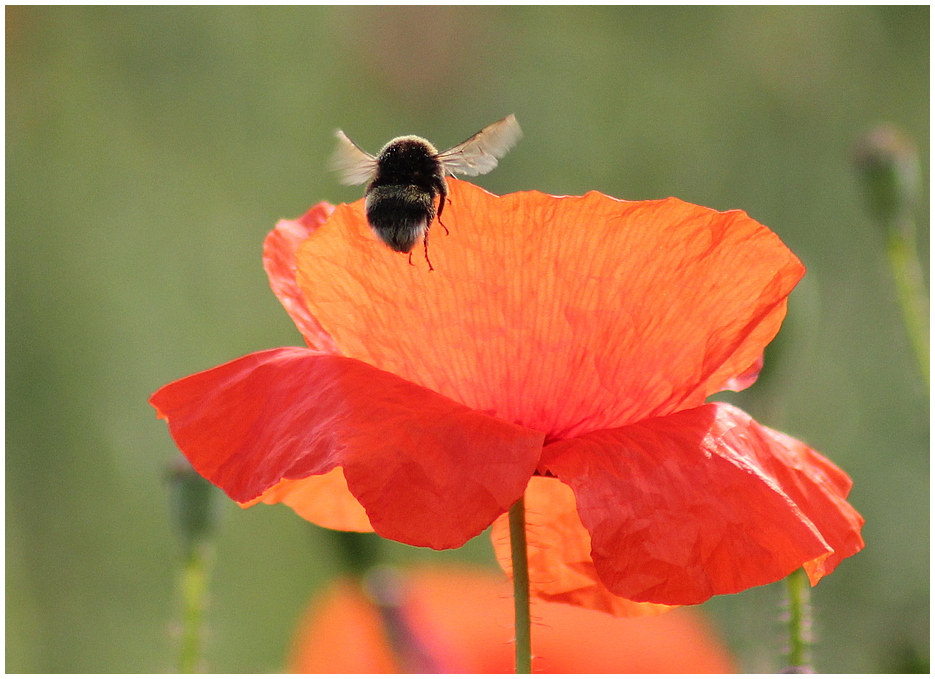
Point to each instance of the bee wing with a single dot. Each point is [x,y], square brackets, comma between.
[478,155]
[352,163]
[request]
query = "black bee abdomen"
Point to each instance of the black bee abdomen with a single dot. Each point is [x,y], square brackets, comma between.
[400,214]
[401,198]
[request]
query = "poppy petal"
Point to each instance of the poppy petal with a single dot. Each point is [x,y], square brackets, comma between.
[323,500]
[430,472]
[819,488]
[431,625]
[744,379]
[279,250]
[630,309]
[703,502]
[559,553]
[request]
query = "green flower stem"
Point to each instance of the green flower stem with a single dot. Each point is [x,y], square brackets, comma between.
[194,586]
[195,518]
[800,622]
[910,287]
[520,587]
[889,166]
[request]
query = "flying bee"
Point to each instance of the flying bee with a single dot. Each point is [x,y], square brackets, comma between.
[408,175]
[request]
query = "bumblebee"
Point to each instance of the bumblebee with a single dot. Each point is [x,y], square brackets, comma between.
[408,175]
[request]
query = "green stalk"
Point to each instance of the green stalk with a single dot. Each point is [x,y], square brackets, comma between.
[194,586]
[800,622]
[889,165]
[910,287]
[195,513]
[520,587]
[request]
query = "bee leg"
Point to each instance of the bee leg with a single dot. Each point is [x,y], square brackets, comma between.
[443,192]
[410,259]
[425,244]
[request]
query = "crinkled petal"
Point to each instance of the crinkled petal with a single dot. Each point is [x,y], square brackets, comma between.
[563,314]
[324,500]
[559,553]
[429,472]
[279,250]
[819,488]
[704,502]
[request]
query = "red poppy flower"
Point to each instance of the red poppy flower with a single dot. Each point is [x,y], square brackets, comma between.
[433,627]
[571,338]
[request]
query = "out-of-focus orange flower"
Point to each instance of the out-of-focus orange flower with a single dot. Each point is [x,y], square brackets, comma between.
[568,340]
[460,620]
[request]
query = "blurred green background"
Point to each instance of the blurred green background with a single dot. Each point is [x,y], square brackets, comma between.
[149,151]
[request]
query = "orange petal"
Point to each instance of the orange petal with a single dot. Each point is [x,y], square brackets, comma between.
[744,379]
[323,500]
[279,260]
[563,314]
[430,472]
[559,553]
[341,632]
[703,502]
